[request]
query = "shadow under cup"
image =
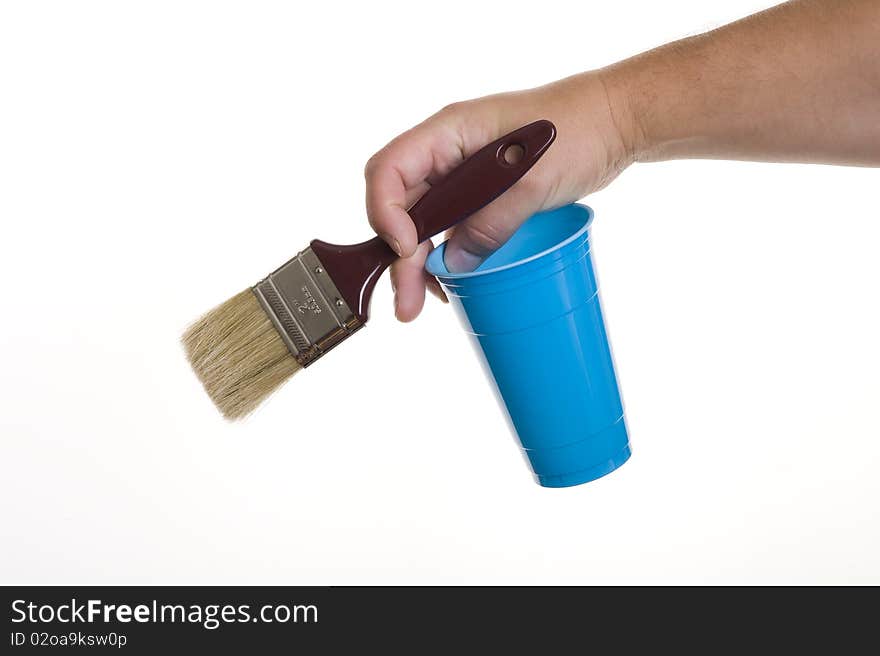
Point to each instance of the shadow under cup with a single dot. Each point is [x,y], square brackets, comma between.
[533,310]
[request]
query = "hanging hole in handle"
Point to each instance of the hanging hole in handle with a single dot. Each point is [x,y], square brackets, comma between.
[511,154]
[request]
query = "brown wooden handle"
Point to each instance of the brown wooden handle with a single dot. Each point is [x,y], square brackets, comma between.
[472,185]
[480,179]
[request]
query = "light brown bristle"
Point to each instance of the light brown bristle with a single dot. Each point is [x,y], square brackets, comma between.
[238,355]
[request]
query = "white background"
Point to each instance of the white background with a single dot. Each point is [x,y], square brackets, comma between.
[156,158]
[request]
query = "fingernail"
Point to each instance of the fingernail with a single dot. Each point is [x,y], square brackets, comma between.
[392,242]
[436,290]
[458,260]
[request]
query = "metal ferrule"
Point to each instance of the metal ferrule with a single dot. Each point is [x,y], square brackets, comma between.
[306,307]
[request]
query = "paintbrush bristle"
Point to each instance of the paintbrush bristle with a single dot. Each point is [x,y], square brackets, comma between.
[238,355]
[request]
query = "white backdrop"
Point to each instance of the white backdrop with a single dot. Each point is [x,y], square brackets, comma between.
[156,158]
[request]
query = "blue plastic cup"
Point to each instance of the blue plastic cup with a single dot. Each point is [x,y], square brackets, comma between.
[533,311]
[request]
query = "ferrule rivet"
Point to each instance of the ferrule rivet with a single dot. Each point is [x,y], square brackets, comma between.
[338,302]
[319,270]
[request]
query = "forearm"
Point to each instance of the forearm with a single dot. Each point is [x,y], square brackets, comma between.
[799,82]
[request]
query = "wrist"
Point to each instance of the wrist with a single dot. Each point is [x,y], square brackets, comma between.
[620,92]
[661,102]
[589,110]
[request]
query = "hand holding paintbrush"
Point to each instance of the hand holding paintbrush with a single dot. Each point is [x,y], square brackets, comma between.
[244,349]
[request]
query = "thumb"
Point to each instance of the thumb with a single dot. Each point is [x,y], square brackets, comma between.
[484,232]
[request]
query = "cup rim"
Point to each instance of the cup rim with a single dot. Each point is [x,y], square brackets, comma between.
[438,252]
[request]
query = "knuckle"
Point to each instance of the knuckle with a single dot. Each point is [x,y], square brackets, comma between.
[372,165]
[454,109]
[483,238]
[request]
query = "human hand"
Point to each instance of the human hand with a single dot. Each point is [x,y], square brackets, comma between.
[590,150]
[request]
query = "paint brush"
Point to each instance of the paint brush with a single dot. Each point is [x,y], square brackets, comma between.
[245,348]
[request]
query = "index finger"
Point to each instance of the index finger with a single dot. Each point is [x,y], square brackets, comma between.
[406,166]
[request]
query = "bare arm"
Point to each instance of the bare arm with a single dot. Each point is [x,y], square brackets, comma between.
[797,83]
